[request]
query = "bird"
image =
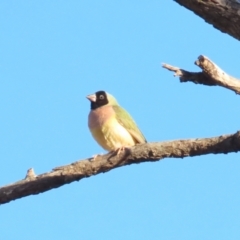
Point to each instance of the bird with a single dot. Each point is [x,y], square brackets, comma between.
[111,125]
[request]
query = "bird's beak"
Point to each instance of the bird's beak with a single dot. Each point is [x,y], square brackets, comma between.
[91,97]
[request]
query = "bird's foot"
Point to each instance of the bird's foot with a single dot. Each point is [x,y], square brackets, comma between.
[119,150]
[94,157]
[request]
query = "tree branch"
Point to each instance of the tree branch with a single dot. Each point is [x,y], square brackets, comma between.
[149,152]
[222,14]
[211,75]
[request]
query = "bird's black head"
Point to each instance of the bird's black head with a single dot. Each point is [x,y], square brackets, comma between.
[98,99]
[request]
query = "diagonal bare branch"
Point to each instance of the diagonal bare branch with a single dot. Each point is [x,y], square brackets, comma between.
[149,152]
[211,75]
[222,14]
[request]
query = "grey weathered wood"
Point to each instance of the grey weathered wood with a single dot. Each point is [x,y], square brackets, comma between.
[211,75]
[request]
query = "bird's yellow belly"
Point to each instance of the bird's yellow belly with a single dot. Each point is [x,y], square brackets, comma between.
[112,136]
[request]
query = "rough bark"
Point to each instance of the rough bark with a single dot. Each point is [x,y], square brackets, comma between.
[211,75]
[222,14]
[149,152]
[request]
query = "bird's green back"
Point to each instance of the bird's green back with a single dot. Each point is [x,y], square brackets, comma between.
[125,119]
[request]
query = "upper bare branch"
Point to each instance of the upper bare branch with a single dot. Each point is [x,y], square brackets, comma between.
[211,75]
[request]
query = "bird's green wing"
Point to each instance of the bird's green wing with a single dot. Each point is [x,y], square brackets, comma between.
[125,119]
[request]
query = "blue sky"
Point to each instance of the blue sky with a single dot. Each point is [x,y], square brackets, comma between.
[53,54]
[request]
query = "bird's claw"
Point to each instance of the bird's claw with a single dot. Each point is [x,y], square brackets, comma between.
[119,150]
[94,157]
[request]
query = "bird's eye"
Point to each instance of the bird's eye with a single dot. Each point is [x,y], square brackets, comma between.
[101,97]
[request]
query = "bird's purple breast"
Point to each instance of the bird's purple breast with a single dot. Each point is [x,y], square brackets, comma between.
[98,117]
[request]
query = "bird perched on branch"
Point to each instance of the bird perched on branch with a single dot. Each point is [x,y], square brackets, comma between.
[112,126]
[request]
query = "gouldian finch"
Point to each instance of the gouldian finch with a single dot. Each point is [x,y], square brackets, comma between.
[112,126]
